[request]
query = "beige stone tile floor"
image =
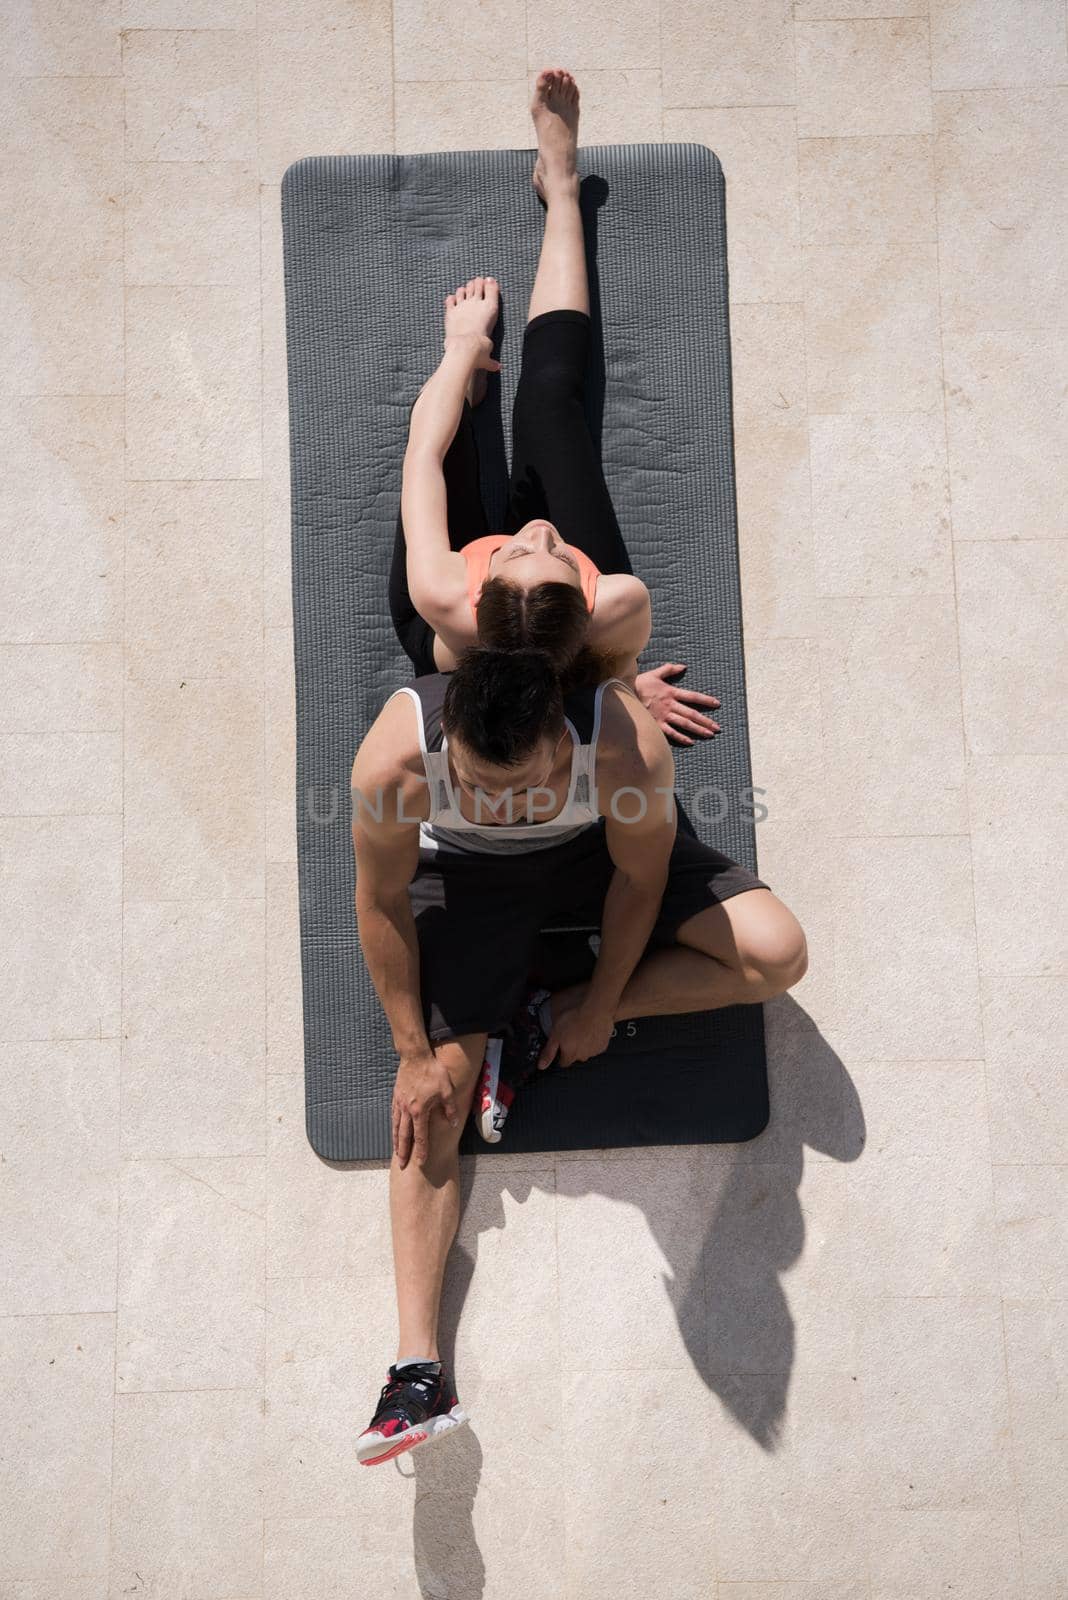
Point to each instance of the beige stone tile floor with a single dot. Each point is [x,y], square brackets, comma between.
[826,1365]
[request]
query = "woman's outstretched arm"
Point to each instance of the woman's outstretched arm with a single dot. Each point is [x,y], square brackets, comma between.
[436,574]
[435,416]
[622,623]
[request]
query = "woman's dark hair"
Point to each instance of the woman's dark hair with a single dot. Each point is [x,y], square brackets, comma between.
[550,617]
[501,703]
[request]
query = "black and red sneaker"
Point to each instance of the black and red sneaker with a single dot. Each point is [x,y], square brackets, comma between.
[416,1404]
[511,1061]
[492,1097]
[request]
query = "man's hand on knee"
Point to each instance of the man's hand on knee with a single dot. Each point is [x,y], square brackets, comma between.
[422,1087]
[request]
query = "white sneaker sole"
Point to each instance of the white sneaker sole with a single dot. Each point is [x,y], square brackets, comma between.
[489,1115]
[374,1448]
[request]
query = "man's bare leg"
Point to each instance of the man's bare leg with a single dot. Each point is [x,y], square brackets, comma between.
[424,1205]
[748,948]
[561,282]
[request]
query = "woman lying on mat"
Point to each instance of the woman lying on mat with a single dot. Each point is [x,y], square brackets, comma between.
[558,577]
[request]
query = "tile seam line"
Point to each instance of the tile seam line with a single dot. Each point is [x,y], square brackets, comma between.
[241,33]
[660,86]
[763,105]
[120,1163]
[1005,88]
[239,1388]
[72,77]
[258,167]
[503,83]
[252,478]
[896,16]
[65,394]
[200,900]
[136,284]
[554,1168]
[965,754]
[862,836]
[354,1278]
[15,1316]
[804,303]
[64,1038]
[41,816]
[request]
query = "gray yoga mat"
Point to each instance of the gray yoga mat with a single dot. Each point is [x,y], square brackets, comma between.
[372,244]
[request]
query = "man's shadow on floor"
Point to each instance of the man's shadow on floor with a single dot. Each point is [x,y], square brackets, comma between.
[725,1279]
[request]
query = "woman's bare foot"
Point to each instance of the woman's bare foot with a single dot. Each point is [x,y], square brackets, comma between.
[555,110]
[474,308]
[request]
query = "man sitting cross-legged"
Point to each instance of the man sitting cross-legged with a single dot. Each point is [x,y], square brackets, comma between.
[487,804]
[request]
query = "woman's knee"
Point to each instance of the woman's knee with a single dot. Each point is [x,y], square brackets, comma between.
[548,387]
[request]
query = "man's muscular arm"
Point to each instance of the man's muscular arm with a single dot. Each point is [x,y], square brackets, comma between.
[635,788]
[388,796]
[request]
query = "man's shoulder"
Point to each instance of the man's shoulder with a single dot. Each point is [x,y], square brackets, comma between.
[587,707]
[389,757]
[622,714]
[630,744]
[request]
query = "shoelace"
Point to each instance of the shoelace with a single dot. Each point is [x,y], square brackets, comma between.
[419,1377]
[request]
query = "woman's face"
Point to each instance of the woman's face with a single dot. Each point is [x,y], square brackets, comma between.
[536,554]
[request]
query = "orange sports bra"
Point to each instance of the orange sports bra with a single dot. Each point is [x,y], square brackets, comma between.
[477,555]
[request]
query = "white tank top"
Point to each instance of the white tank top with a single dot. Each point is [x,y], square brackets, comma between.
[446,827]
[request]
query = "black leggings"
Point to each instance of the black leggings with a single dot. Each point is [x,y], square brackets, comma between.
[556,471]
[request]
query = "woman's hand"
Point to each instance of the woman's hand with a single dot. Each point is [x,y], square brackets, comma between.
[477,347]
[675,709]
[471,315]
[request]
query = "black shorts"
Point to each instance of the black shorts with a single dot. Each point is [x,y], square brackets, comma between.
[480,917]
